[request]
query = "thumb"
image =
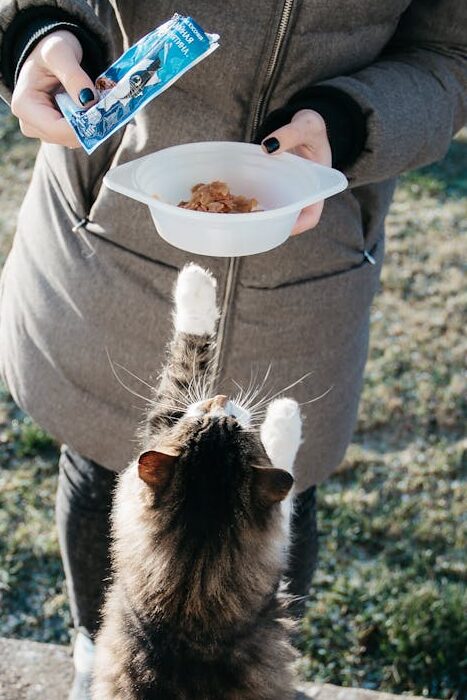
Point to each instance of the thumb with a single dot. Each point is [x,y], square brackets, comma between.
[61,59]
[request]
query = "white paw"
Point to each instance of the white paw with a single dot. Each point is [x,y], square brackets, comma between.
[195,301]
[281,432]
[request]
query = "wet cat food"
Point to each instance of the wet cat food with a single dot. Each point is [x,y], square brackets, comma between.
[216,197]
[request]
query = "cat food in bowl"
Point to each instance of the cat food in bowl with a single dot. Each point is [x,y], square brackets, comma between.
[217,198]
[282,186]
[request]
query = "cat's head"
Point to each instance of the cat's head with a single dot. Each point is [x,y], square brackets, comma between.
[200,520]
[209,473]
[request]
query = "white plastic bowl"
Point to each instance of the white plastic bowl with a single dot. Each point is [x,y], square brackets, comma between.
[283,184]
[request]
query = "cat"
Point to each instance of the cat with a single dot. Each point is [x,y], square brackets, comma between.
[200,526]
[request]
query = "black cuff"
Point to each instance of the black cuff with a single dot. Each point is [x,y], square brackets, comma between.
[32,25]
[345,122]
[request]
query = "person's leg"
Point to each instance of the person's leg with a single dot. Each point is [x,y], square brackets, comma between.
[303,553]
[84,498]
[83,503]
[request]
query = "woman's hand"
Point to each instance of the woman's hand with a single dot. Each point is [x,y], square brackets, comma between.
[54,62]
[305,136]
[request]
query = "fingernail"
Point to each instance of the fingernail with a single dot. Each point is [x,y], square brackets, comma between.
[271,145]
[86,95]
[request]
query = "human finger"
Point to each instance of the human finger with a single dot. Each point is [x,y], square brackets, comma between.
[28,130]
[39,119]
[307,132]
[60,58]
[308,218]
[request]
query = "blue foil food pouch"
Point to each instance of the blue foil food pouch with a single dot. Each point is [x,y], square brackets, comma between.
[140,74]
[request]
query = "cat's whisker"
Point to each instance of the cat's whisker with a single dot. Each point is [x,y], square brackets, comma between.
[178,397]
[132,374]
[197,382]
[170,407]
[266,377]
[282,391]
[199,389]
[254,425]
[244,398]
[154,400]
[204,385]
[190,390]
[251,393]
[260,403]
[257,391]
[175,399]
[194,383]
[208,378]
[239,386]
[175,406]
[119,380]
[178,400]
[251,385]
[183,396]
[238,397]
[258,415]
[317,398]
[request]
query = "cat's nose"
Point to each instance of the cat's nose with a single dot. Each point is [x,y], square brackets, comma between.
[219,402]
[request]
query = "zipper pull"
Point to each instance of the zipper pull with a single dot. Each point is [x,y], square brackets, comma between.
[369,257]
[81,223]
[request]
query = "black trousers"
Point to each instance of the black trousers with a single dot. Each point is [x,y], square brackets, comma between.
[84,499]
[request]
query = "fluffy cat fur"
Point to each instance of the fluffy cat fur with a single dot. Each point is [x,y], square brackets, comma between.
[199,537]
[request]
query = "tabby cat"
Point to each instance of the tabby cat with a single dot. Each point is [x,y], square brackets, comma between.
[200,527]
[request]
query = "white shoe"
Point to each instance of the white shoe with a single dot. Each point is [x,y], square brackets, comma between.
[83,660]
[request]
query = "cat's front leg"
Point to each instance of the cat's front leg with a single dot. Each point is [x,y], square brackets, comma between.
[190,353]
[281,435]
[196,310]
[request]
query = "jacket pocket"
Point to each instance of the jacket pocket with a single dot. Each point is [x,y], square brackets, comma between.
[99,190]
[76,177]
[337,244]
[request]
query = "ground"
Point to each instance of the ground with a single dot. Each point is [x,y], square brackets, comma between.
[388,603]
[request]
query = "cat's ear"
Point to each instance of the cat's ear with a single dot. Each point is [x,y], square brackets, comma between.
[271,485]
[156,468]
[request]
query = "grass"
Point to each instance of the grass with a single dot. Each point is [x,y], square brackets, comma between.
[388,604]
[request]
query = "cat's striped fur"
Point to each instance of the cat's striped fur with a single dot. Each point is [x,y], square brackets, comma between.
[199,539]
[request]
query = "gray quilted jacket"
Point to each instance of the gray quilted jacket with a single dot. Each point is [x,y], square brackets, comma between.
[88,274]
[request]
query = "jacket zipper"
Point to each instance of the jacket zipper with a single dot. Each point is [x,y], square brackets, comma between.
[272,65]
[234,263]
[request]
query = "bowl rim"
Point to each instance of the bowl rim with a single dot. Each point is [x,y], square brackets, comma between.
[111,181]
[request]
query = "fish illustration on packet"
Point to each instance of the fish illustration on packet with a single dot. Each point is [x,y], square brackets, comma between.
[145,70]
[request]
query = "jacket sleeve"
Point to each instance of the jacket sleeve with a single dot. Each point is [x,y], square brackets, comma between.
[19,20]
[414,97]
[344,119]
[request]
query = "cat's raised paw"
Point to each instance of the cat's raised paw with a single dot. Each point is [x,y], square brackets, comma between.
[195,301]
[281,432]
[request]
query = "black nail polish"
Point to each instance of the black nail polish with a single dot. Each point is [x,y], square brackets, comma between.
[271,145]
[86,95]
